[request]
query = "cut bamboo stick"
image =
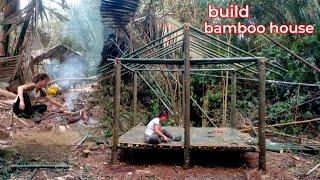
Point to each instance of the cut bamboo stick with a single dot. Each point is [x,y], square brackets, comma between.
[313,169]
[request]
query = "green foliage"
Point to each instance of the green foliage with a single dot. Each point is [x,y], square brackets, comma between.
[107,132]
[153,107]
[245,105]
[5,156]
[215,99]
[168,122]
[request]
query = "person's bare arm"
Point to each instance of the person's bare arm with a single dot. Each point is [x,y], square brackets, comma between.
[158,131]
[55,102]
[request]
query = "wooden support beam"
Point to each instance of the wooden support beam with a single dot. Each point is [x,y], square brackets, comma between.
[233,100]
[225,101]
[186,53]
[117,89]
[200,61]
[262,115]
[135,98]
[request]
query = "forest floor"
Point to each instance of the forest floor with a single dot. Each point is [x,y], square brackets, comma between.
[83,146]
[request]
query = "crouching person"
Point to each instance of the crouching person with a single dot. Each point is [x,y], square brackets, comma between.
[27,93]
[154,134]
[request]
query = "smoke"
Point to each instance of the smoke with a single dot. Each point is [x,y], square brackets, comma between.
[70,98]
[71,67]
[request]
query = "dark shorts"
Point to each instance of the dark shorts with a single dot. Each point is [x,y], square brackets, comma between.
[155,138]
[29,108]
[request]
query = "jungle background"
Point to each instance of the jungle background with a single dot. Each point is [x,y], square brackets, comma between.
[286,102]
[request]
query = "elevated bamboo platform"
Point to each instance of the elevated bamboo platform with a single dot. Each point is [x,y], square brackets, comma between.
[217,139]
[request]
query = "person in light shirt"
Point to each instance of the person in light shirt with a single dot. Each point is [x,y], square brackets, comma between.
[28,93]
[154,134]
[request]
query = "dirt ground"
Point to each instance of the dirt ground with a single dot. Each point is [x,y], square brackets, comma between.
[82,146]
[96,166]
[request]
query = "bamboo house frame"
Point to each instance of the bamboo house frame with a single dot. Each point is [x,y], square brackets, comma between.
[151,54]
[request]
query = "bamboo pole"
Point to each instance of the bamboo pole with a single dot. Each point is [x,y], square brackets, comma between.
[196,61]
[226,100]
[155,92]
[285,124]
[227,51]
[223,99]
[262,115]
[233,47]
[161,50]
[116,123]
[291,136]
[193,100]
[156,45]
[170,51]
[313,169]
[233,115]
[157,40]
[267,81]
[186,52]
[181,70]
[135,98]
[2,35]
[205,106]
[292,53]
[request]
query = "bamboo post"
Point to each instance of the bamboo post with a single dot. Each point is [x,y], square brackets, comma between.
[205,106]
[224,121]
[135,98]
[117,90]
[2,36]
[233,99]
[223,99]
[186,52]
[262,115]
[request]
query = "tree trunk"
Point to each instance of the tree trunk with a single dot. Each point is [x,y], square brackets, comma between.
[6,9]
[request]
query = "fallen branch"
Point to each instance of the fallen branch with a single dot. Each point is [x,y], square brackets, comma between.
[284,124]
[44,117]
[294,137]
[7,94]
[33,174]
[293,157]
[63,166]
[20,120]
[82,140]
[5,106]
[313,169]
